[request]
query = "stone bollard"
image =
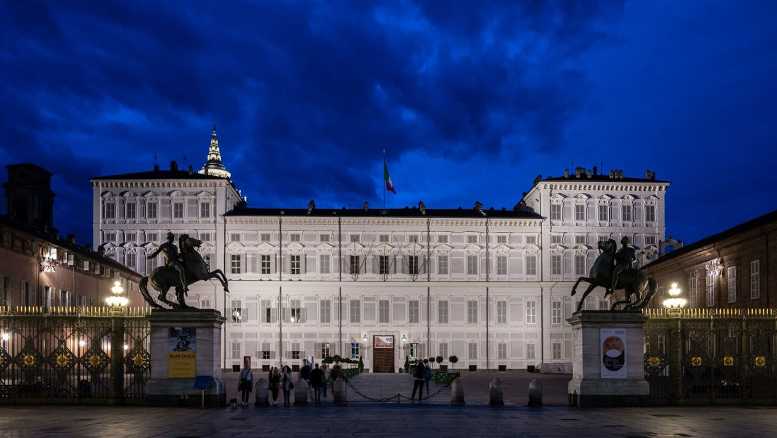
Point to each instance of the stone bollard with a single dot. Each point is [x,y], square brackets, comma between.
[457,392]
[338,392]
[495,394]
[535,393]
[261,392]
[301,393]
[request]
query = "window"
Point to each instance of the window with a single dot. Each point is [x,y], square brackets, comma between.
[442,238]
[355,354]
[295,351]
[602,238]
[151,210]
[326,311]
[530,351]
[131,237]
[531,265]
[650,213]
[205,237]
[472,312]
[178,210]
[110,210]
[603,213]
[556,346]
[413,311]
[383,311]
[323,265]
[110,237]
[442,350]
[265,264]
[236,350]
[531,240]
[384,238]
[383,265]
[323,238]
[294,237]
[413,238]
[472,265]
[501,265]
[579,264]
[650,240]
[354,264]
[472,239]
[131,210]
[205,209]
[412,265]
[501,239]
[555,264]
[442,312]
[501,312]
[626,213]
[580,239]
[555,212]
[237,311]
[531,312]
[472,351]
[555,312]
[264,237]
[501,351]
[710,287]
[266,354]
[731,279]
[693,285]
[325,350]
[296,311]
[235,263]
[129,260]
[295,264]
[355,311]
[755,279]
[442,265]
[579,212]
[354,238]
[604,304]
[234,237]
[556,239]
[413,349]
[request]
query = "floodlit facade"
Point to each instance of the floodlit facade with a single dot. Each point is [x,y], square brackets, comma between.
[489,286]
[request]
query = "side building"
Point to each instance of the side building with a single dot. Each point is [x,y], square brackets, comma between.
[490,286]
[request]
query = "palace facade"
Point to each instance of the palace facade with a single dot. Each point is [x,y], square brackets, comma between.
[490,286]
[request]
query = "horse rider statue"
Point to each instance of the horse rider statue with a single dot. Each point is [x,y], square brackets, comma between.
[625,259]
[174,259]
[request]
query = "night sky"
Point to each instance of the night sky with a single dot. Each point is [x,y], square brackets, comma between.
[471,102]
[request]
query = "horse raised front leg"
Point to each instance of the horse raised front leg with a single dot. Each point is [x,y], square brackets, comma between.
[587,292]
[220,276]
[574,288]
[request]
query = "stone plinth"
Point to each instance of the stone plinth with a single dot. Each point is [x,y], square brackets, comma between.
[178,362]
[607,369]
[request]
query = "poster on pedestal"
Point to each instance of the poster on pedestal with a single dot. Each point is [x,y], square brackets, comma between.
[613,343]
[182,353]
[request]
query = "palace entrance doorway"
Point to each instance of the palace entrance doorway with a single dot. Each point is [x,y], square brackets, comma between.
[383,354]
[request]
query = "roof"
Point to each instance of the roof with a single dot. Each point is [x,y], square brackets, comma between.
[733,231]
[406,212]
[158,174]
[602,178]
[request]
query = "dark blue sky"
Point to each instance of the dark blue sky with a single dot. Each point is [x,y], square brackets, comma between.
[472,102]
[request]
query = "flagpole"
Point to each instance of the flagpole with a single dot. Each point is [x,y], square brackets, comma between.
[384,182]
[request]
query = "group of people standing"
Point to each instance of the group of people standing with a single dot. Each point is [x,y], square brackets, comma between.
[279,380]
[422,375]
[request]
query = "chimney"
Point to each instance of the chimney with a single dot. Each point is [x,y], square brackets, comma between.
[566,173]
[311,206]
[422,207]
[650,175]
[365,206]
[596,171]
[174,166]
[579,172]
[71,239]
[190,169]
[156,167]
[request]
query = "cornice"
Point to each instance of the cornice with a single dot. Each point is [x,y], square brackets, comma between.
[158,184]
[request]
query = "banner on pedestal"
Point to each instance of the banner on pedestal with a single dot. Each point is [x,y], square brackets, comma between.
[613,343]
[182,353]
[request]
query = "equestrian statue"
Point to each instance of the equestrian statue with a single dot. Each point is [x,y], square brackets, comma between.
[180,270]
[614,270]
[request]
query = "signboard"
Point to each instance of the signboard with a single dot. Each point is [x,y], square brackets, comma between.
[383,341]
[613,343]
[182,353]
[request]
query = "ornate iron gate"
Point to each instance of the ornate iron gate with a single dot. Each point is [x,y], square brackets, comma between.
[73,355]
[707,356]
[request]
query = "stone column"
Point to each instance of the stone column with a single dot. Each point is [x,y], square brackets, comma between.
[608,367]
[182,367]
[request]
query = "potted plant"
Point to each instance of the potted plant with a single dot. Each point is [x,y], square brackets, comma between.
[439,360]
[453,359]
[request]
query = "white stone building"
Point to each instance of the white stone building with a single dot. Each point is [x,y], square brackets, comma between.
[489,286]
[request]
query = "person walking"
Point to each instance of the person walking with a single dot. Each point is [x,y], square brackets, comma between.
[246,382]
[325,381]
[418,380]
[274,385]
[304,374]
[317,382]
[287,386]
[427,375]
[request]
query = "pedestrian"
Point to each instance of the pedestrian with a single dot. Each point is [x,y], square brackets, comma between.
[287,386]
[427,375]
[325,382]
[317,382]
[246,382]
[418,380]
[274,385]
[336,373]
[304,373]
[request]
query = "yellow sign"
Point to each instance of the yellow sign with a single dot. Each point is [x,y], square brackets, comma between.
[181,364]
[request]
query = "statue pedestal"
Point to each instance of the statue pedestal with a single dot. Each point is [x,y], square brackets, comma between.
[608,366]
[186,358]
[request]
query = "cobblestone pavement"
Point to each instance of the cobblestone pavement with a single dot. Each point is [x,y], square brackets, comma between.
[385,421]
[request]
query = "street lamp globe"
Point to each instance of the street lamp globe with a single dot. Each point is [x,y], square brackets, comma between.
[117,300]
[675,301]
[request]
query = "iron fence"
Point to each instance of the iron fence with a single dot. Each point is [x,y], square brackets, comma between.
[73,354]
[711,356]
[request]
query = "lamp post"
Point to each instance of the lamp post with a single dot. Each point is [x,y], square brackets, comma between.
[675,301]
[117,301]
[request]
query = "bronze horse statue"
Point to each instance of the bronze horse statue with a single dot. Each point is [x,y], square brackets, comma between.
[165,277]
[633,281]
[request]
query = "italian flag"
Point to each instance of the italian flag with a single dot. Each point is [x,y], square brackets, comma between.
[387,179]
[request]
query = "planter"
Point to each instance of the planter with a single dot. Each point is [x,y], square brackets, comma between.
[473,367]
[530,368]
[502,367]
[443,367]
[235,368]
